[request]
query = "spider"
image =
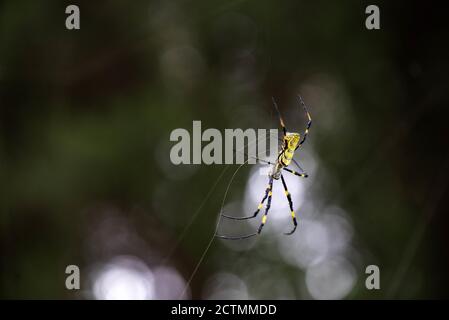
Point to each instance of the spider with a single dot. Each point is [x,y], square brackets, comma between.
[291,142]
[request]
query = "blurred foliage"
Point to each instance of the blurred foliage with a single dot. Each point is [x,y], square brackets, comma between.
[85,118]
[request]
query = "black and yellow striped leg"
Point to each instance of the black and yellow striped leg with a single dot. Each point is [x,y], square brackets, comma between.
[268,191]
[284,130]
[267,208]
[299,174]
[309,122]
[290,203]
[268,195]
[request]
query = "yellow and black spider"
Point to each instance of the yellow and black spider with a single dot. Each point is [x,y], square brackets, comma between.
[291,142]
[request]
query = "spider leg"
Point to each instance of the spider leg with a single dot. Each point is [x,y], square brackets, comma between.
[254,157]
[309,122]
[267,194]
[281,121]
[264,217]
[297,164]
[236,238]
[290,203]
[267,208]
[302,175]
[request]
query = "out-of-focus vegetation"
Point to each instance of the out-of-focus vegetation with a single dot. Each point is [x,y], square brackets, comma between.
[86,179]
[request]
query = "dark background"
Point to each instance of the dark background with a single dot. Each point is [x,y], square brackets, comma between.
[86,179]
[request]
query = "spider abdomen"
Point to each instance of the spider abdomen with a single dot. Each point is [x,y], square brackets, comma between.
[286,156]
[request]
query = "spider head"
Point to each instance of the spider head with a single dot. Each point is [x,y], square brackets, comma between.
[292,140]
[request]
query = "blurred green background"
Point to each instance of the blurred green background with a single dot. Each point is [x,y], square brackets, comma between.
[86,179]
